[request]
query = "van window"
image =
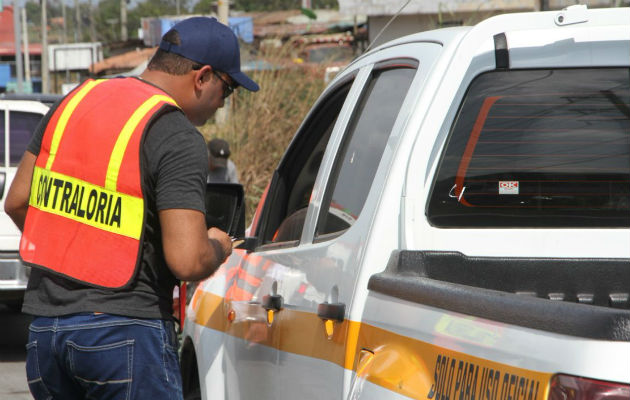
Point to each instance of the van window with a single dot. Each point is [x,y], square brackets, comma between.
[364,144]
[21,126]
[2,139]
[538,148]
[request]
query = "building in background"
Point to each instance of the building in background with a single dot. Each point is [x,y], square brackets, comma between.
[154,27]
[422,15]
[7,56]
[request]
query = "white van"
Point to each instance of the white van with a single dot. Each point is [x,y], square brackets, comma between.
[450,221]
[19,116]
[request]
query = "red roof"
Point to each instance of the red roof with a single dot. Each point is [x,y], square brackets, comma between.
[7,38]
[125,61]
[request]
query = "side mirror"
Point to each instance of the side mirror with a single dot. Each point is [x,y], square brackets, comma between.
[225,208]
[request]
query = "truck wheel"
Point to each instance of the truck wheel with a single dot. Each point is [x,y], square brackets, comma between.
[190,375]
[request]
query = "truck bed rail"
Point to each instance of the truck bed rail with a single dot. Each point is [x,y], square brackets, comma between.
[579,297]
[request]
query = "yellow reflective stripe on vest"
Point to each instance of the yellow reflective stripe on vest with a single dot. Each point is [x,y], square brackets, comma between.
[87,203]
[65,116]
[116,157]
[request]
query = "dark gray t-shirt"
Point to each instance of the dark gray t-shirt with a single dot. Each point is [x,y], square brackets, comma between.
[175,163]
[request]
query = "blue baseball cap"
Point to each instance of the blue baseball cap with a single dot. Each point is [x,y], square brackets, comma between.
[209,42]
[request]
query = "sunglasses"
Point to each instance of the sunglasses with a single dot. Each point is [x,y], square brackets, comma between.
[227,88]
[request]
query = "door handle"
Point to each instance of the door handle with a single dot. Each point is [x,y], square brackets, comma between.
[331,311]
[272,302]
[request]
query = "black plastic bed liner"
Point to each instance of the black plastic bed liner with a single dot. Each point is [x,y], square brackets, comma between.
[587,298]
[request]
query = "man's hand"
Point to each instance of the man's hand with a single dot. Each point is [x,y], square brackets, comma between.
[192,252]
[221,239]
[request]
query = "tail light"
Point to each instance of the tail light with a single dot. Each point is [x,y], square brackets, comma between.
[566,387]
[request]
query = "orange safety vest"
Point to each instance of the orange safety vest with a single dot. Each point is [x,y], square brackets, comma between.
[86,212]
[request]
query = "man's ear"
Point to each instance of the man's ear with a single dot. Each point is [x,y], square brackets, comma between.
[202,75]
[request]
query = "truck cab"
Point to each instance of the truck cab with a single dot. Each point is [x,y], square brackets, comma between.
[451,220]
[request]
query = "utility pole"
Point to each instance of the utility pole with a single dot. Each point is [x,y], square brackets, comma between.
[123,20]
[92,23]
[65,25]
[18,46]
[45,75]
[77,22]
[223,9]
[27,56]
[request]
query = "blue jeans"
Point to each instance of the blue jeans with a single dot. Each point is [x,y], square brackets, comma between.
[102,356]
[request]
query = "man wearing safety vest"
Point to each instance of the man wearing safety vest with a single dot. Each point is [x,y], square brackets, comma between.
[110,199]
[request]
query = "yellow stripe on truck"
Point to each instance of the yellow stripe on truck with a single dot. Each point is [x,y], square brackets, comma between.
[402,364]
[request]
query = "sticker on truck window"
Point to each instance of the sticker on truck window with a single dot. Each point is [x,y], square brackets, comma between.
[508,187]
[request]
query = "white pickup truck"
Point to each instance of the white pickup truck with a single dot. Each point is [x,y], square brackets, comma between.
[19,116]
[451,221]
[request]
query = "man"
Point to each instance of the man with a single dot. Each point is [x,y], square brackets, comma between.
[220,168]
[110,199]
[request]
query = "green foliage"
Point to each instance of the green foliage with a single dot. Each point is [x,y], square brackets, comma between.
[319,4]
[309,13]
[203,7]
[152,8]
[157,8]
[34,12]
[107,21]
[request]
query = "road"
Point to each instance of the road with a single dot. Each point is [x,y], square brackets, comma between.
[12,355]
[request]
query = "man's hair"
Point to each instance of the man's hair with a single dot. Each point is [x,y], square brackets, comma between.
[171,63]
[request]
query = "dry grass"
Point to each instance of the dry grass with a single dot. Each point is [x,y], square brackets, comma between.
[260,125]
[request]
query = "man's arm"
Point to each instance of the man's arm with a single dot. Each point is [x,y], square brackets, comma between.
[192,252]
[16,203]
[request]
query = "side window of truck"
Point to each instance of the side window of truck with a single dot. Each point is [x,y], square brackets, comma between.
[363,145]
[538,148]
[290,192]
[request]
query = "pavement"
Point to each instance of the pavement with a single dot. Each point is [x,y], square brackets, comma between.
[13,338]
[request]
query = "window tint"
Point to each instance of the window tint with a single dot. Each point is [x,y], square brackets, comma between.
[542,148]
[22,126]
[290,193]
[363,146]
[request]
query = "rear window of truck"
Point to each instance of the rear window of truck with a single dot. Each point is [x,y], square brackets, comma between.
[538,148]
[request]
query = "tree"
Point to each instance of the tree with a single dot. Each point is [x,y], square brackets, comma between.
[204,7]
[107,21]
[152,8]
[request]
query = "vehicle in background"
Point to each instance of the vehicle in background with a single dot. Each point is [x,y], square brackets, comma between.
[328,52]
[19,116]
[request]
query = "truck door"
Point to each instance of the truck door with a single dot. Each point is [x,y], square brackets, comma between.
[314,224]
[252,342]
